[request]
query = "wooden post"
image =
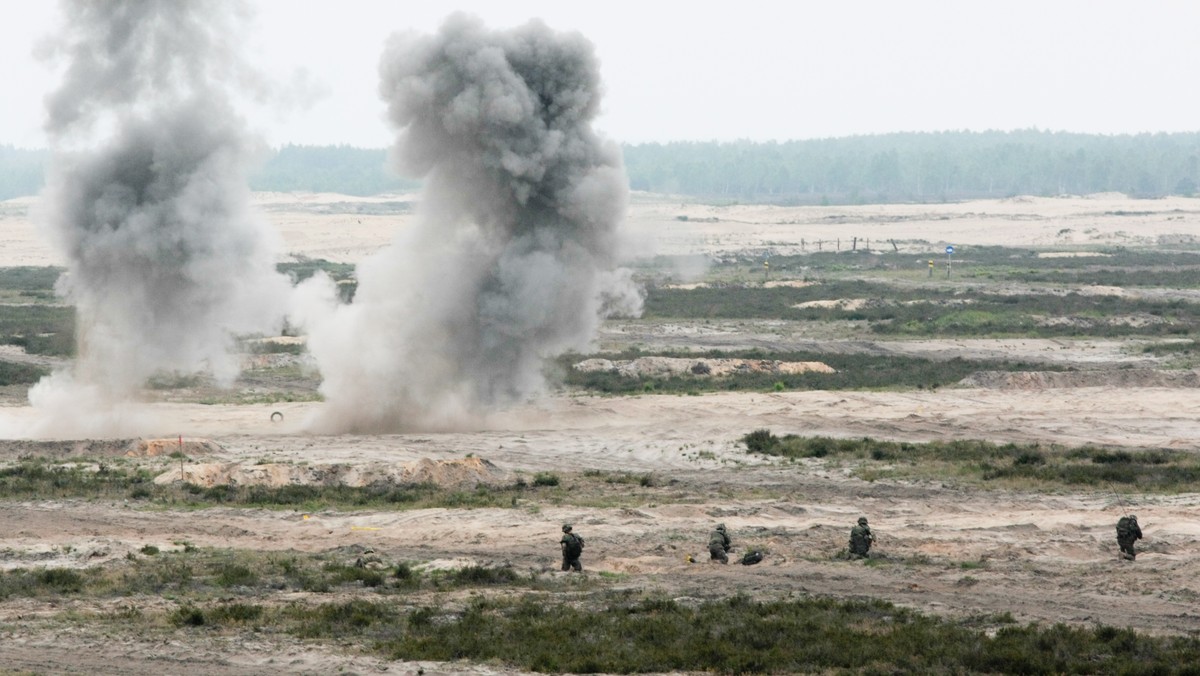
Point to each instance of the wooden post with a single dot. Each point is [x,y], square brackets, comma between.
[854,244]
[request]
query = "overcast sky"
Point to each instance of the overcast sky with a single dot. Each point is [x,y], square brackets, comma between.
[733,70]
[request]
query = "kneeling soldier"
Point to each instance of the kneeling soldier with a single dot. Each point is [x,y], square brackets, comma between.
[861,539]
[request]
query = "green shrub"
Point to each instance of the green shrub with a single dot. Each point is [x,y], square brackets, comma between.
[236,575]
[760,441]
[61,580]
[545,479]
[187,616]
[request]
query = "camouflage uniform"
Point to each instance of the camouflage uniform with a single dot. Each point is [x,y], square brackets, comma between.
[370,560]
[1128,532]
[861,539]
[572,549]
[718,544]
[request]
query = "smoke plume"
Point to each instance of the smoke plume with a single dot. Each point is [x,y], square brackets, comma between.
[147,199]
[513,257]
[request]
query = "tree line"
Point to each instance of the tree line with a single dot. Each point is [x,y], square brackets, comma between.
[880,168]
[921,167]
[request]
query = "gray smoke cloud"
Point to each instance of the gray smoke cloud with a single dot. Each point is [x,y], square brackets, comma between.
[514,255]
[147,200]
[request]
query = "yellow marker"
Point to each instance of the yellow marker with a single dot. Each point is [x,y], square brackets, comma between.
[363,528]
[305,517]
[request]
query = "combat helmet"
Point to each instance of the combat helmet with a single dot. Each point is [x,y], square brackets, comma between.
[862,520]
[566,528]
[721,526]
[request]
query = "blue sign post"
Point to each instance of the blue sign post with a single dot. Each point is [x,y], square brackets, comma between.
[949,253]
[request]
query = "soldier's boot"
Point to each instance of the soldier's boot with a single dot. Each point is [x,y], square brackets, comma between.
[1127,556]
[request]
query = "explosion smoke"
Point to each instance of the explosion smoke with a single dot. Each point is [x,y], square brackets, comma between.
[513,258]
[147,199]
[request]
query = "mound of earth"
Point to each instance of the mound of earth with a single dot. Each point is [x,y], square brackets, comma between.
[156,447]
[1037,380]
[675,366]
[467,472]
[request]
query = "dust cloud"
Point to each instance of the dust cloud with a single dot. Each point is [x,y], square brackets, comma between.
[147,200]
[514,256]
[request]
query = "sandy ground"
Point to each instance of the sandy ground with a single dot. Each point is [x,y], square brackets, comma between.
[336,228]
[955,551]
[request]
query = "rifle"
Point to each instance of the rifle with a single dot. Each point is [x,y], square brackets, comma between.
[1119,500]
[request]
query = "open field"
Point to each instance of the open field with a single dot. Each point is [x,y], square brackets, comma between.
[155,575]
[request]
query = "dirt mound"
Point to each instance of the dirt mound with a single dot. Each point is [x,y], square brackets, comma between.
[467,472]
[1037,380]
[156,447]
[674,366]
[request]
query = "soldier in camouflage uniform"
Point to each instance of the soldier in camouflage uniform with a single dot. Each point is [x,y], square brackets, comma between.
[861,539]
[719,544]
[572,549]
[370,560]
[1128,532]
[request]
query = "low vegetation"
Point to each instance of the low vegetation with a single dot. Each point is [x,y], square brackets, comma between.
[851,372]
[914,311]
[39,329]
[523,620]
[342,274]
[628,632]
[20,374]
[192,575]
[1009,464]
[117,479]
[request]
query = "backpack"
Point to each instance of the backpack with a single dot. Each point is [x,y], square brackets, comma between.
[752,558]
[1125,527]
[575,546]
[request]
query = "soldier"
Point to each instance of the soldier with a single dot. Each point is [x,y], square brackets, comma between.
[572,549]
[719,544]
[1128,532]
[370,560]
[861,539]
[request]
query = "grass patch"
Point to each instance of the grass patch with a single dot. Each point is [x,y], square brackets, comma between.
[851,372]
[412,615]
[12,373]
[194,575]
[40,329]
[42,478]
[1019,464]
[915,311]
[736,635]
[29,278]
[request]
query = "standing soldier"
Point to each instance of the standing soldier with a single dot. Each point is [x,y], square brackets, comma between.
[572,549]
[1128,532]
[861,539]
[719,544]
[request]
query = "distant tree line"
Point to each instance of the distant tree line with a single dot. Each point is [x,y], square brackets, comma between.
[921,167]
[903,167]
[340,169]
[21,171]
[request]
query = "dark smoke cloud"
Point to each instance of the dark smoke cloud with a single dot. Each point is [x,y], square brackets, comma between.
[514,256]
[147,198]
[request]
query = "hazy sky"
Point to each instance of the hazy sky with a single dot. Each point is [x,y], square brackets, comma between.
[732,70]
